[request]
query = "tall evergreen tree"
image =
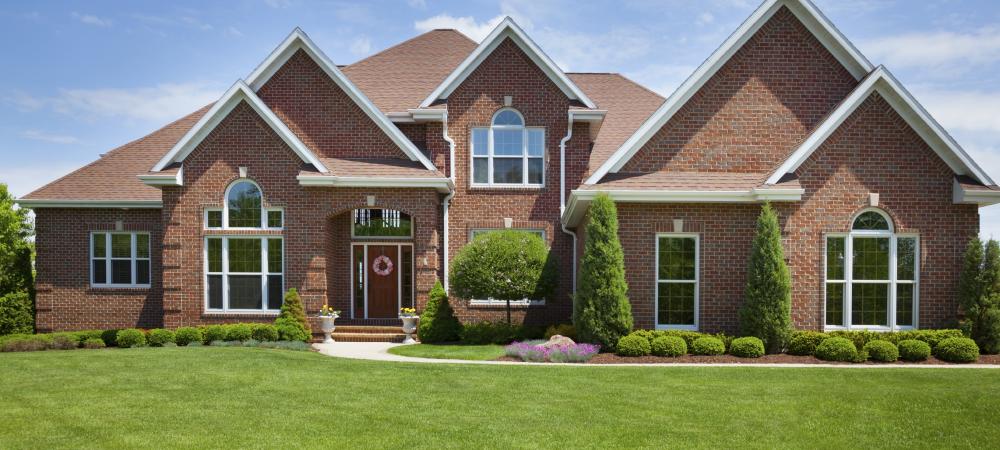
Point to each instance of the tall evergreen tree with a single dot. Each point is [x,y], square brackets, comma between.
[438,322]
[291,323]
[970,285]
[601,310]
[767,308]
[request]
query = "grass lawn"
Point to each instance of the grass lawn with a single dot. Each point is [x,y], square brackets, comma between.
[245,397]
[450,351]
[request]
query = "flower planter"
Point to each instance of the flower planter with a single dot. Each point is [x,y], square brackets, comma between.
[409,327]
[328,327]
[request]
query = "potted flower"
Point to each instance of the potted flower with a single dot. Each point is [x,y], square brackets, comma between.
[328,315]
[409,317]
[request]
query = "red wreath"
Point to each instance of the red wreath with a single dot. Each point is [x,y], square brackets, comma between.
[382,266]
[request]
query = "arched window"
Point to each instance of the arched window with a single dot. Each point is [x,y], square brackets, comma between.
[243,205]
[508,152]
[872,275]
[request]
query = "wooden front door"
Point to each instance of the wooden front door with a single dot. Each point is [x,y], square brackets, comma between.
[383,287]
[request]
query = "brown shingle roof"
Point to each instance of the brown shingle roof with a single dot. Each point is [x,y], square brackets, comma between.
[375,168]
[679,181]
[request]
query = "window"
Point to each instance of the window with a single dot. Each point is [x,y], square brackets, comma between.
[381,223]
[677,281]
[871,276]
[244,209]
[508,153]
[244,273]
[119,260]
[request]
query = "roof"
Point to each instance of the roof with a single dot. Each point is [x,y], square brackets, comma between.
[679,181]
[377,168]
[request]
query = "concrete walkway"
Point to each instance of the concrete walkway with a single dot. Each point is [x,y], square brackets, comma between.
[378,351]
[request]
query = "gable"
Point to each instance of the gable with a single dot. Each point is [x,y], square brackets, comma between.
[508,70]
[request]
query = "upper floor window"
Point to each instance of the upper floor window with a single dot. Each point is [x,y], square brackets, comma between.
[508,153]
[244,209]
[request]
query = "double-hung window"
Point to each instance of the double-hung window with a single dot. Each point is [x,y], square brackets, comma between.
[871,276]
[119,259]
[677,281]
[508,153]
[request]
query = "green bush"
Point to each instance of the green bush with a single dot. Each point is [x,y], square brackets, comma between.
[83,336]
[563,329]
[438,322]
[979,293]
[93,343]
[862,337]
[238,332]
[16,314]
[632,345]
[26,343]
[767,310]
[64,341]
[957,350]
[914,350]
[747,347]
[291,323]
[804,343]
[130,338]
[159,337]
[708,346]
[481,333]
[881,351]
[668,346]
[212,333]
[187,335]
[110,337]
[602,313]
[837,349]
[264,332]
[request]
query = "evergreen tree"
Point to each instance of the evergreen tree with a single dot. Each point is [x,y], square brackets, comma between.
[438,322]
[15,247]
[291,323]
[601,310]
[970,285]
[767,308]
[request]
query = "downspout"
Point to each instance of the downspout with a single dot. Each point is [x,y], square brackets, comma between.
[447,198]
[562,192]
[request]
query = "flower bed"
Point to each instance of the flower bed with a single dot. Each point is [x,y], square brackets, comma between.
[534,351]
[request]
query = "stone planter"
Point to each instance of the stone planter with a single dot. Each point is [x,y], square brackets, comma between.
[328,327]
[410,327]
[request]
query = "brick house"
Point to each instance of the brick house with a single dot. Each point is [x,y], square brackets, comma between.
[357,184]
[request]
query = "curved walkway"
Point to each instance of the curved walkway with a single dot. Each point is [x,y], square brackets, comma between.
[379,351]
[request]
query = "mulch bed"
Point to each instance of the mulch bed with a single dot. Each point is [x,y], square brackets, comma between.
[611,358]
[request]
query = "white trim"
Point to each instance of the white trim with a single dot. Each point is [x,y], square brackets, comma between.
[804,10]
[507,28]
[399,275]
[123,204]
[264,274]
[108,258]
[696,281]
[439,183]
[882,81]
[263,210]
[495,302]
[297,40]
[176,179]
[975,196]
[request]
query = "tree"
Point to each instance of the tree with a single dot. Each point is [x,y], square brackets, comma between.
[438,322]
[504,265]
[979,293]
[15,246]
[291,323]
[767,308]
[970,286]
[601,310]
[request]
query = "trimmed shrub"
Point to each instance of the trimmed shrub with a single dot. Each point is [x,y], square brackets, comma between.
[481,333]
[83,336]
[438,322]
[110,337]
[264,332]
[804,343]
[602,313]
[767,310]
[708,346]
[668,346]
[914,350]
[747,347]
[238,332]
[64,341]
[16,314]
[159,337]
[633,345]
[26,343]
[291,323]
[957,350]
[187,335]
[212,333]
[93,343]
[563,329]
[130,338]
[837,349]
[881,351]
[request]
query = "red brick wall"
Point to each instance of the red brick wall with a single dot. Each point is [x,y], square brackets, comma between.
[65,300]
[748,117]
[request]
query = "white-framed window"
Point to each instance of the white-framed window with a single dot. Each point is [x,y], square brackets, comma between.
[871,276]
[677,281]
[243,209]
[492,301]
[370,223]
[244,273]
[120,259]
[508,153]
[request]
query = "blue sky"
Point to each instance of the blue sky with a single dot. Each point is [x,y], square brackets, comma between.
[85,77]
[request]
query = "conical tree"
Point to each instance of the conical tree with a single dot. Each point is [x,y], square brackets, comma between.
[438,322]
[767,308]
[979,292]
[970,285]
[601,310]
[291,323]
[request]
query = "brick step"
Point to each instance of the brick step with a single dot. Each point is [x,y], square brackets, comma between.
[368,329]
[368,337]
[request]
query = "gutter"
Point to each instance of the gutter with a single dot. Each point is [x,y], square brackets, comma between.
[447,199]
[562,195]
[115,204]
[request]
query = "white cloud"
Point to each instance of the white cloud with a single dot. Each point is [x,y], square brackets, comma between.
[23,101]
[936,49]
[37,135]
[91,19]
[962,110]
[419,4]
[468,25]
[592,51]
[233,31]
[361,46]
[156,104]
[21,180]
[705,18]
[662,78]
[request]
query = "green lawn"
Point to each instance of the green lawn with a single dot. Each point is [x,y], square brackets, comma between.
[450,351]
[244,397]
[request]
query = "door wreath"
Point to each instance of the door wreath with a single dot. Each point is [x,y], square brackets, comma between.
[382,266]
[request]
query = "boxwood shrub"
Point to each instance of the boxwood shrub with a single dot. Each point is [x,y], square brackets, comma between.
[264,332]
[238,332]
[836,349]
[708,346]
[957,350]
[881,351]
[633,345]
[485,332]
[93,343]
[83,336]
[25,342]
[668,346]
[130,338]
[187,335]
[64,341]
[110,337]
[804,343]
[747,347]
[211,333]
[914,350]
[159,337]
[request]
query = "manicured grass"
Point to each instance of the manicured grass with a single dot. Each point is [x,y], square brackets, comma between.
[244,397]
[450,351]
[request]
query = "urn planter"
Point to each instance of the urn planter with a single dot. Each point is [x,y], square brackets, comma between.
[328,327]
[409,327]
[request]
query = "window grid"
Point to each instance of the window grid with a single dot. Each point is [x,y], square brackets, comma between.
[510,148]
[118,262]
[222,279]
[677,281]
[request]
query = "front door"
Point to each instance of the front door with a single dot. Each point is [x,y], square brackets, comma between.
[383,281]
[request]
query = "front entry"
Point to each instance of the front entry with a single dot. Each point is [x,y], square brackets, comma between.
[383,280]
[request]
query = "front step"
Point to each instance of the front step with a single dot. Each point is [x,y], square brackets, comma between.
[365,333]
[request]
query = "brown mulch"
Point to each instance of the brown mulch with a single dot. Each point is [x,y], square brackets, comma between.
[611,358]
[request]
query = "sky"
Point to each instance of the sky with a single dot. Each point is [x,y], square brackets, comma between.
[84,77]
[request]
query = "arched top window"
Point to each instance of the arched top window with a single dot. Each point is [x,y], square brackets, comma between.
[872,220]
[508,153]
[508,117]
[243,205]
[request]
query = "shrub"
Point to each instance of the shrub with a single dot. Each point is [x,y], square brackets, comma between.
[601,310]
[747,347]
[633,345]
[291,323]
[563,329]
[26,343]
[212,333]
[804,343]
[187,335]
[64,341]
[481,333]
[238,331]
[979,293]
[159,337]
[668,346]
[767,310]
[93,343]
[83,336]
[438,322]
[957,350]
[708,346]
[837,349]
[881,351]
[914,350]
[110,337]
[16,314]
[130,338]
[264,332]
